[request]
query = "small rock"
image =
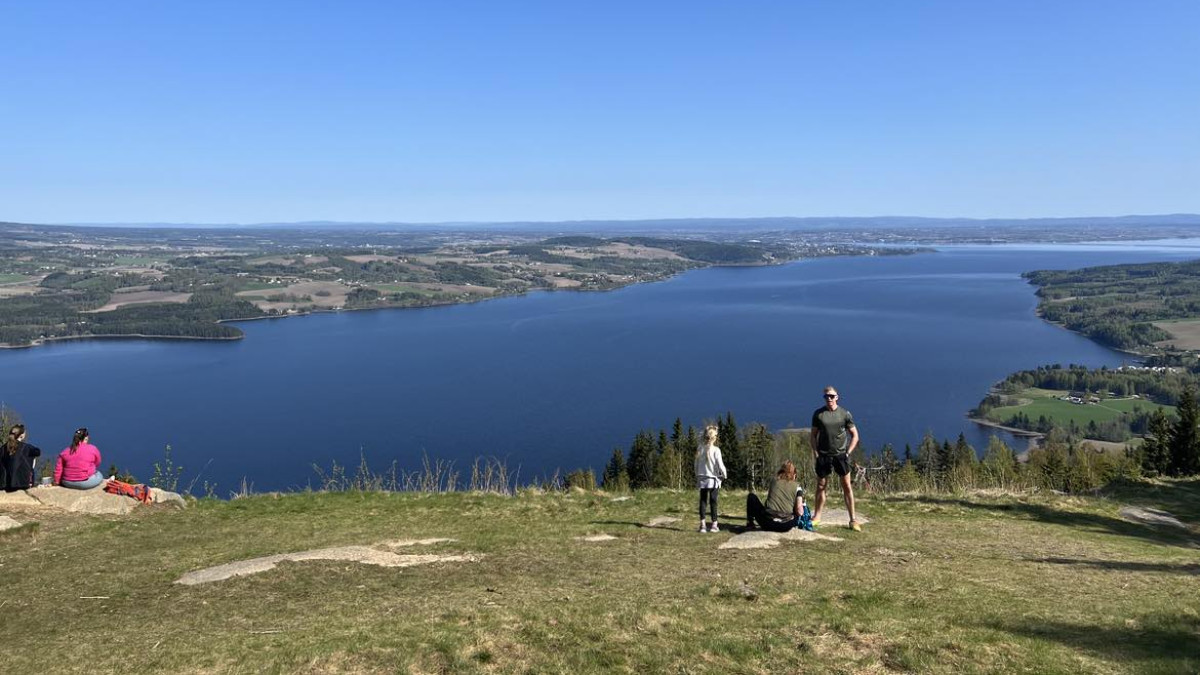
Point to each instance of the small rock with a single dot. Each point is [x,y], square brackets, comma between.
[661,521]
[158,496]
[7,523]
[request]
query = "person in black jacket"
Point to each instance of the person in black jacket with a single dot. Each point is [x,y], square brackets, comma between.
[17,460]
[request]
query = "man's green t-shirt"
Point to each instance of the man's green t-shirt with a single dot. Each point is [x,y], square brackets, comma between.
[781,498]
[832,427]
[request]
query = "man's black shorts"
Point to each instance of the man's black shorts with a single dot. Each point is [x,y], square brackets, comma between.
[828,463]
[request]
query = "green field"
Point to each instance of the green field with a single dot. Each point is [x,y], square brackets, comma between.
[402,288]
[12,278]
[1062,413]
[137,260]
[934,584]
[247,285]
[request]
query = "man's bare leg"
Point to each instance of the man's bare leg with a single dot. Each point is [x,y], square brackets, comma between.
[821,483]
[848,494]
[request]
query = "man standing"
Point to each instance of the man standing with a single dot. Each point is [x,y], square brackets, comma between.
[833,438]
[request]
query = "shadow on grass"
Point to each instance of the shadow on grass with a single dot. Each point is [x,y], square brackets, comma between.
[1156,643]
[1092,522]
[1121,565]
[1180,497]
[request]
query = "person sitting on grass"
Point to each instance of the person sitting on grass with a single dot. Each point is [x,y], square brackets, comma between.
[78,466]
[785,502]
[17,459]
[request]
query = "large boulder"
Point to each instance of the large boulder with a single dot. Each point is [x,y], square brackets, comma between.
[94,501]
[17,498]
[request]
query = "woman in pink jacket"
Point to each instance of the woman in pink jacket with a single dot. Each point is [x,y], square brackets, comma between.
[78,466]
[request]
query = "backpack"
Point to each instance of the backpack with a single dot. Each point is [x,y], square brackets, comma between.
[138,492]
[804,522]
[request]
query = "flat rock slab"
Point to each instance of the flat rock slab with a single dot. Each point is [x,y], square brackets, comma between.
[18,498]
[764,539]
[840,517]
[661,521]
[96,501]
[596,537]
[367,555]
[1138,514]
[7,523]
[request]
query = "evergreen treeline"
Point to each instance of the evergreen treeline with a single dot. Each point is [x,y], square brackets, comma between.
[662,459]
[1173,448]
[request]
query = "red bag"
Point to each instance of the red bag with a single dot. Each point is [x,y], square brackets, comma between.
[138,492]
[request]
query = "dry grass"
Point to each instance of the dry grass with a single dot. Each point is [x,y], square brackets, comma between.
[986,583]
[1184,334]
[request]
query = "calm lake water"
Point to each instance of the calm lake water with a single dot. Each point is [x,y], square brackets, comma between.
[559,379]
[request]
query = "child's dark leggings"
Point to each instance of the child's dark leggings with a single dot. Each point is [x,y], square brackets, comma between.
[709,494]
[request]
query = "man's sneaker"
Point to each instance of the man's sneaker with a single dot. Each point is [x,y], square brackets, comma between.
[855,526]
[714,528]
[702,528]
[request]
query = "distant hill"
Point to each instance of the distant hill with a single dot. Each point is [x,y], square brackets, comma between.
[701,224]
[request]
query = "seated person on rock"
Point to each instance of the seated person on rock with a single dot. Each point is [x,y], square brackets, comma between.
[78,466]
[17,461]
[785,502]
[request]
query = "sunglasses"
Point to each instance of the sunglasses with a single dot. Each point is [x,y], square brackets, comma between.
[831,396]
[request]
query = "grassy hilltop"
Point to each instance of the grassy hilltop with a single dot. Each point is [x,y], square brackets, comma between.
[985,582]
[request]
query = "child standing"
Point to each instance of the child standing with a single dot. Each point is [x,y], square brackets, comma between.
[710,471]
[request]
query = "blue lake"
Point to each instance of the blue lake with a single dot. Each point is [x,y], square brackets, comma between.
[556,380]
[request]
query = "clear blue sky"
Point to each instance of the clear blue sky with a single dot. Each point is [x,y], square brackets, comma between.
[254,111]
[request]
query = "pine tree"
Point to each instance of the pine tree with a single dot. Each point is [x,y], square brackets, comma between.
[890,463]
[731,451]
[1156,448]
[757,446]
[998,467]
[641,461]
[616,475]
[667,468]
[963,462]
[926,461]
[1185,437]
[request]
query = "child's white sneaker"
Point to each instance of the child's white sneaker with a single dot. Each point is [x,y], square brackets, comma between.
[714,528]
[702,528]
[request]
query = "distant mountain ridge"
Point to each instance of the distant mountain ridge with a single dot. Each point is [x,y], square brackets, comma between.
[763,223]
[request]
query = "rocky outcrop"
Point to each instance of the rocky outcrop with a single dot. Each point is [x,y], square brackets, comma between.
[368,555]
[95,501]
[763,539]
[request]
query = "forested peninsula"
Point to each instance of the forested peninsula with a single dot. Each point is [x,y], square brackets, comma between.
[60,283]
[1142,307]
[1150,309]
